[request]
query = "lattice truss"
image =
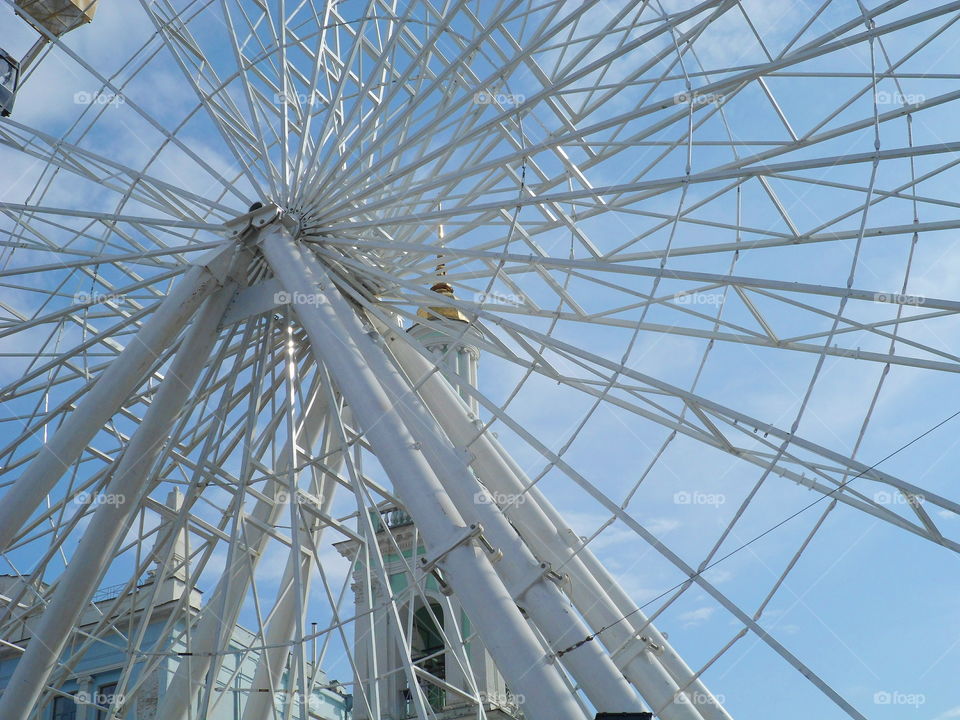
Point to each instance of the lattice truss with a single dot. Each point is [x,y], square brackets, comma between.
[704,250]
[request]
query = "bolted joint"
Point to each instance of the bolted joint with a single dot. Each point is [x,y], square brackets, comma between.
[258,217]
[445,588]
[466,535]
[544,571]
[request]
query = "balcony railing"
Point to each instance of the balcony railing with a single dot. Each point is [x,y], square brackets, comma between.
[389,518]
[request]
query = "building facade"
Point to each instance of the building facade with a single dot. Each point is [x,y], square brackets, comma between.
[425,616]
[90,690]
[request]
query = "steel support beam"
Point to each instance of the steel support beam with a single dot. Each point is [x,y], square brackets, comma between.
[113,387]
[130,480]
[222,609]
[658,674]
[268,677]
[521,571]
[359,367]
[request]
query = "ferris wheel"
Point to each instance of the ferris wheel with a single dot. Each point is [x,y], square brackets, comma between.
[544,357]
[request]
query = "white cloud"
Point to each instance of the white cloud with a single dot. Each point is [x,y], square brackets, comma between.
[692,618]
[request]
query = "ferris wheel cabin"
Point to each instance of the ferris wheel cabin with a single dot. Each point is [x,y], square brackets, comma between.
[57,17]
[9,77]
[50,18]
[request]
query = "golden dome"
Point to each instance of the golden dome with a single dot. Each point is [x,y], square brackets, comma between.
[445,311]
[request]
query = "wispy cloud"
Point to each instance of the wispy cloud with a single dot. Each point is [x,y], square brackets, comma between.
[692,618]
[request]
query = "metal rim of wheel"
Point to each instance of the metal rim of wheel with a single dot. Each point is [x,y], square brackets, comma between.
[675,232]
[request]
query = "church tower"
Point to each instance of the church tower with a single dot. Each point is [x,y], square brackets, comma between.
[446,333]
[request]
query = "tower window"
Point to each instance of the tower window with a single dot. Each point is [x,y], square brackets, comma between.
[427,650]
[104,698]
[64,708]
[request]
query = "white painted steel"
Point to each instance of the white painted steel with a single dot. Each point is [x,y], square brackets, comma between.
[582,175]
[527,581]
[359,368]
[112,518]
[110,391]
[552,543]
[212,630]
[291,595]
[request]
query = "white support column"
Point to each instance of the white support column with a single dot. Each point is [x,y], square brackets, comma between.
[110,520]
[112,388]
[359,366]
[644,654]
[269,670]
[220,613]
[658,675]
[598,594]
[526,580]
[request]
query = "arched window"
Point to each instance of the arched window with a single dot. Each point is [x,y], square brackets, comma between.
[427,650]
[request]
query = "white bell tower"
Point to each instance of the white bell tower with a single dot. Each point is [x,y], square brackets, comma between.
[446,333]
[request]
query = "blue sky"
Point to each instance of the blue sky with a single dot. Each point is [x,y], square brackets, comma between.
[869,607]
